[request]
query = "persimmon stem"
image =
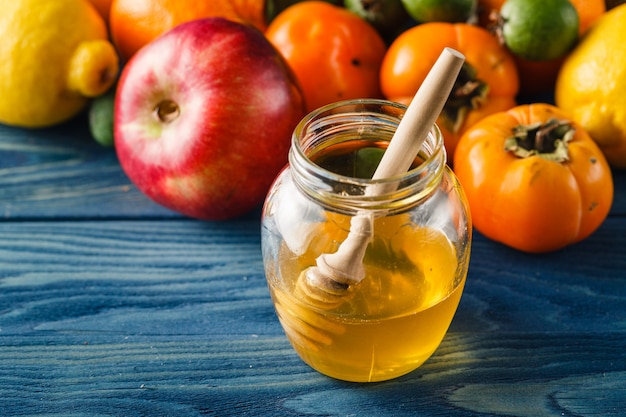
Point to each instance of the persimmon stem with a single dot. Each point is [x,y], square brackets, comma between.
[547,140]
[495,22]
[468,94]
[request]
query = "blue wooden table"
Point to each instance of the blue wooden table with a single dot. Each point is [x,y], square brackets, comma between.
[113,306]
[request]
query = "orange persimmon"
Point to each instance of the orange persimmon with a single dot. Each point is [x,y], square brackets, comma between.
[534,179]
[334,53]
[134,23]
[488,81]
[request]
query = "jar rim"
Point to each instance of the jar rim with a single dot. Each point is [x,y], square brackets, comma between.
[298,137]
[422,177]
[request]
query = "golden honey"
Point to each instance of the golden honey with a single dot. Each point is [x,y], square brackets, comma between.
[393,320]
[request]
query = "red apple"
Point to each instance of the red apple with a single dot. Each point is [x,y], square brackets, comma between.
[204,116]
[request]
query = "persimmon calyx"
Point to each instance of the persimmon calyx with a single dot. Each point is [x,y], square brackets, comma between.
[468,93]
[548,140]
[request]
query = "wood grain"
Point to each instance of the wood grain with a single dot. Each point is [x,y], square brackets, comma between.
[174,318]
[473,375]
[62,172]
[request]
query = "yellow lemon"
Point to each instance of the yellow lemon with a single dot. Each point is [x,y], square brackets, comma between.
[54,56]
[591,85]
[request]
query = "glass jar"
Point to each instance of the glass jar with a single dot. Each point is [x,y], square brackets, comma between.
[415,234]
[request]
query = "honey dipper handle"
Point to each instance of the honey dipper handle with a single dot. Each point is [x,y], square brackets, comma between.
[345,266]
[421,115]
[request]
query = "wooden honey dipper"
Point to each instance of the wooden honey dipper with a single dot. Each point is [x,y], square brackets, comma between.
[326,284]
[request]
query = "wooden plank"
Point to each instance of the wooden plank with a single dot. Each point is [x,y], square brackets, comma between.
[510,374]
[61,172]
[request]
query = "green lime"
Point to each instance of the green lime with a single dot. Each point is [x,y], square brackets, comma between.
[539,30]
[441,10]
[101,114]
[385,15]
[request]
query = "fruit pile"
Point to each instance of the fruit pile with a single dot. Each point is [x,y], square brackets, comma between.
[201,113]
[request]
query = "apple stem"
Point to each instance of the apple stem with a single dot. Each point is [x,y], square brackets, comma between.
[167,111]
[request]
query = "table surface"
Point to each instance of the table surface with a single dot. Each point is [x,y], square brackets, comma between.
[112,305]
